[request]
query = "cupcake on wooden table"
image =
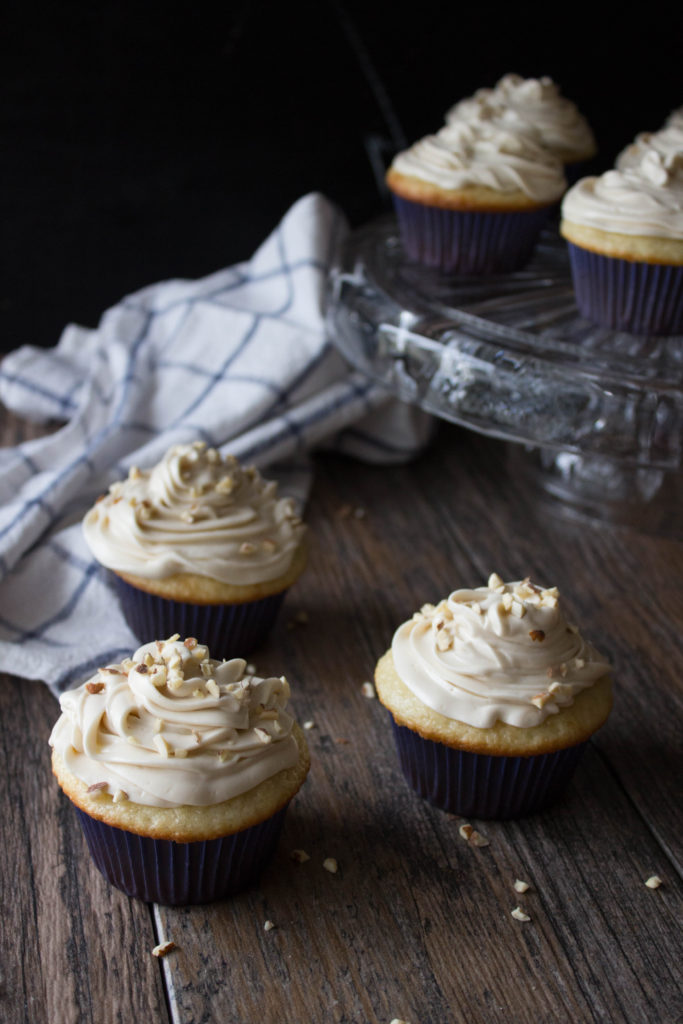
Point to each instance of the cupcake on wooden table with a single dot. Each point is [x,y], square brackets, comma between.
[181,768]
[199,545]
[493,695]
[625,235]
[533,107]
[472,199]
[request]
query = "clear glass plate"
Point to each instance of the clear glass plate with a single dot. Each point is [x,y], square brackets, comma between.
[510,356]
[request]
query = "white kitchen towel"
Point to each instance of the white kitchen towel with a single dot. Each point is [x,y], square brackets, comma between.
[239,359]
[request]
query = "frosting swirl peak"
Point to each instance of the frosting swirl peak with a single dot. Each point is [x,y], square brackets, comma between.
[195,512]
[501,652]
[171,726]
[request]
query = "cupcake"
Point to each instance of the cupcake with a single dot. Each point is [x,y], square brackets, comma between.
[493,696]
[472,199]
[533,107]
[181,768]
[625,236]
[198,545]
[668,142]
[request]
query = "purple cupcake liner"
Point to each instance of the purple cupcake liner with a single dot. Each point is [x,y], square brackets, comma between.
[466,242]
[641,298]
[179,874]
[228,630]
[480,785]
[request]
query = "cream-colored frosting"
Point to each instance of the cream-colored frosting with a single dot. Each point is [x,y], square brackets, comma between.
[668,143]
[501,652]
[675,118]
[171,726]
[462,155]
[195,512]
[531,106]
[645,198]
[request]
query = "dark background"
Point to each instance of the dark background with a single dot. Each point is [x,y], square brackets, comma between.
[149,141]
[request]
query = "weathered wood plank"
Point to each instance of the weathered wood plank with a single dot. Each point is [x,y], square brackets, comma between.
[73,949]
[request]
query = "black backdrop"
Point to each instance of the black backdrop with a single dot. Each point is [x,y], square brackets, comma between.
[144,141]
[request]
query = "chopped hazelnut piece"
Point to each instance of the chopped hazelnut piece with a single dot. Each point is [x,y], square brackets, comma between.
[477,839]
[163,949]
[331,865]
[161,745]
[190,642]
[268,926]
[495,581]
[264,736]
[94,687]
[309,725]
[520,886]
[213,688]
[519,914]
[300,856]
[465,831]
[97,787]
[540,699]
[537,635]
[119,795]
[653,882]
[368,690]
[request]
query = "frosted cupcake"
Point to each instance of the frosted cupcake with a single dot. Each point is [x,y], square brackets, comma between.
[493,696]
[625,236]
[199,545]
[473,199]
[181,768]
[533,107]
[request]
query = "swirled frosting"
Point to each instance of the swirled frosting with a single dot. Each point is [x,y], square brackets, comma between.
[533,107]
[462,155]
[668,143]
[171,726]
[503,652]
[645,198]
[195,512]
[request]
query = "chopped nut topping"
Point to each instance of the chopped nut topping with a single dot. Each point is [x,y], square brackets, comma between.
[540,699]
[519,914]
[520,886]
[495,581]
[300,856]
[190,642]
[444,641]
[477,839]
[264,736]
[199,693]
[97,787]
[142,669]
[331,865]
[247,548]
[180,752]
[213,688]
[506,602]
[465,831]
[134,473]
[309,725]
[158,724]
[268,926]
[518,610]
[268,544]
[119,795]
[538,635]
[653,882]
[269,715]
[187,516]
[163,949]
[94,687]
[368,690]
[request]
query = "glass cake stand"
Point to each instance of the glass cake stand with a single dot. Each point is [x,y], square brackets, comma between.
[596,415]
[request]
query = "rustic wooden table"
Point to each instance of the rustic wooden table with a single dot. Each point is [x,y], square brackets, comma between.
[416,924]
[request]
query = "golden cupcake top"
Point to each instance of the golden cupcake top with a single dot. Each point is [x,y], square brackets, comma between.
[504,652]
[172,726]
[195,512]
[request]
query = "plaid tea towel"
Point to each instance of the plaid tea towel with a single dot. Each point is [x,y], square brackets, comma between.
[239,359]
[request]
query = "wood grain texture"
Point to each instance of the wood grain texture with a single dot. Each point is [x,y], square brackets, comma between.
[72,948]
[416,923]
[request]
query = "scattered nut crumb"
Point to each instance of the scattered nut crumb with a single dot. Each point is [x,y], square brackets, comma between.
[163,949]
[653,882]
[477,839]
[520,886]
[368,690]
[268,926]
[519,914]
[399,1020]
[331,865]
[342,740]
[309,725]
[300,856]
[465,831]
[97,787]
